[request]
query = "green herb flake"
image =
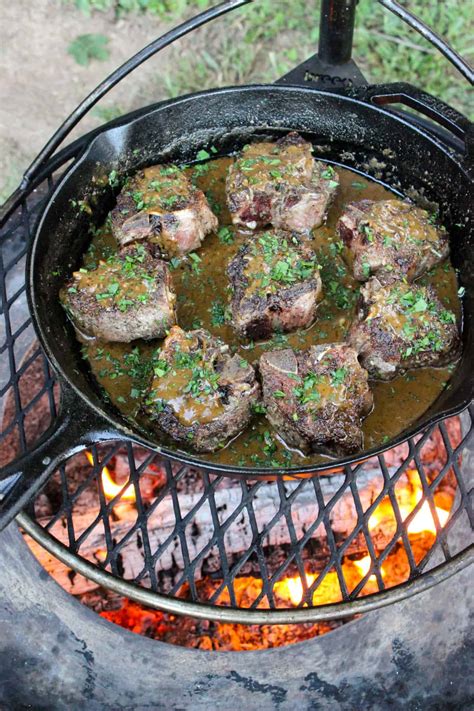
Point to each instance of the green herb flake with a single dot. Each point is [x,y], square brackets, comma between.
[113,179]
[195,262]
[328,173]
[225,235]
[338,376]
[202,155]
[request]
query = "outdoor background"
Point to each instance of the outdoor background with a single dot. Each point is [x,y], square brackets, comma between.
[53,52]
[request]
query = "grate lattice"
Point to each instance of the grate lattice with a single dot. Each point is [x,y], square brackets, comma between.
[189,537]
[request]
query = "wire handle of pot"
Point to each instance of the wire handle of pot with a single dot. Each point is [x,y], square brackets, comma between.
[120,73]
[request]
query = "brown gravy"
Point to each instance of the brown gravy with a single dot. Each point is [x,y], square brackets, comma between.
[203,297]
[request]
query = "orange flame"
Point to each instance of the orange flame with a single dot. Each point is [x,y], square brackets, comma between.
[423,520]
[295,587]
[292,588]
[407,501]
[363,566]
[110,487]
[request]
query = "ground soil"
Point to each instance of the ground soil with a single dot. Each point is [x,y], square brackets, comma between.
[41,83]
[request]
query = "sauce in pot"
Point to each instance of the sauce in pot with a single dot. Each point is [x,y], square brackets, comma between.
[124,370]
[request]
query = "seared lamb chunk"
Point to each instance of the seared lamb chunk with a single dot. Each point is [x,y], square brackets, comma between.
[161,205]
[276,285]
[280,184]
[201,395]
[128,296]
[402,326]
[315,399]
[391,240]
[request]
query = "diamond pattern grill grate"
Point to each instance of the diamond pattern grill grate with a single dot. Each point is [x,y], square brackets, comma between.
[190,537]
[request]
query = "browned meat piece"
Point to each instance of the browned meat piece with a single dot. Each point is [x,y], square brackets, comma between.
[201,396]
[315,399]
[280,184]
[161,205]
[402,326]
[128,296]
[276,285]
[391,239]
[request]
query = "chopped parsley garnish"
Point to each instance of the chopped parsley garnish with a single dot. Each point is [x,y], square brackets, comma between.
[225,235]
[283,263]
[423,323]
[161,368]
[114,181]
[219,314]
[174,262]
[306,391]
[338,376]
[369,233]
[202,155]
[269,445]
[195,260]
[328,173]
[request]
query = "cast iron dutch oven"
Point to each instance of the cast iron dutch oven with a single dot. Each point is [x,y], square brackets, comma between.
[352,130]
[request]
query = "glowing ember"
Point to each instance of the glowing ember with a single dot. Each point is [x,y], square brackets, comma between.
[110,487]
[407,501]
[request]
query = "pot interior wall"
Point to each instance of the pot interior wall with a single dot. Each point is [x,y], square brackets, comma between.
[344,131]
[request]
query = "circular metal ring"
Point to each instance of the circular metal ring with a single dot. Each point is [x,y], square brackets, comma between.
[333,611]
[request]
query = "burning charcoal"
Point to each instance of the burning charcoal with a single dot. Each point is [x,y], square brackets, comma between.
[201,396]
[128,296]
[391,239]
[402,326]
[315,399]
[162,206]
[276,285]
[280,184]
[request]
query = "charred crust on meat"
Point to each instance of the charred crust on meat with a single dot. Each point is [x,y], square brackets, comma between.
[275,285]
[402,326]
[161,205]
[391,239]
[316,399]
[281,184]
[201,395]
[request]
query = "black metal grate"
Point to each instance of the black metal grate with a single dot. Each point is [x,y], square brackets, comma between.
[190,536]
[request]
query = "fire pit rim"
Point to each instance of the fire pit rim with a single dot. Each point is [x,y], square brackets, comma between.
[331,611]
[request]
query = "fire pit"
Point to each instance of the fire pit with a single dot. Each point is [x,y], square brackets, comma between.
[191,558]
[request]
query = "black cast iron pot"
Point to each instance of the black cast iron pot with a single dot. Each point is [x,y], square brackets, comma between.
[353,131]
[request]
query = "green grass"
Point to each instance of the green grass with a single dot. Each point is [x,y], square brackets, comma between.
[85,48]
[266,39]
[161,8]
